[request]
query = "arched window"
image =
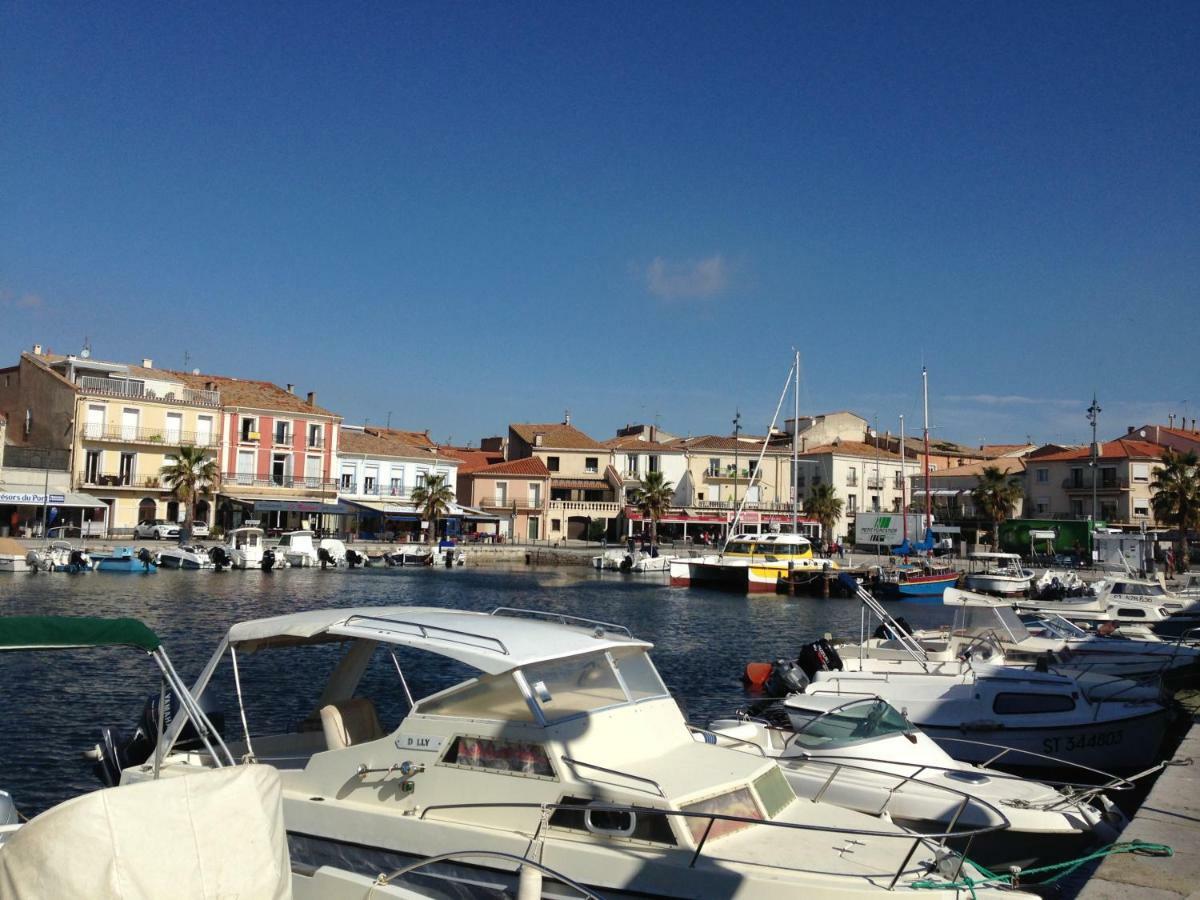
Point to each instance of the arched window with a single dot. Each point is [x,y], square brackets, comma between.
[202,510]
[147,509]
[173,507]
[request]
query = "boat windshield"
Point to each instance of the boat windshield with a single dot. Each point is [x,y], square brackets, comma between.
[861,720]
[1056,626]
[977,620]
[740,547]
[563,688]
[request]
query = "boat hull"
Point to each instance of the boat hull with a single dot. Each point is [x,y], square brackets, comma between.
[1004,585]
[924,588]
[1124,744]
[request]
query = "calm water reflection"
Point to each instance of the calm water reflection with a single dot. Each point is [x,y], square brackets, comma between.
[54,702]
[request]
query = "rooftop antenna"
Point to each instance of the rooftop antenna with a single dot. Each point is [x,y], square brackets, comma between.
[389,420]
[187,357]
[86,352]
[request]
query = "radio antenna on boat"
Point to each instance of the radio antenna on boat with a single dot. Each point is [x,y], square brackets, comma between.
[925,396]
[796,446]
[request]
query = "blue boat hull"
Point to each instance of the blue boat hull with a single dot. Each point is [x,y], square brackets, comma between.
[926,591]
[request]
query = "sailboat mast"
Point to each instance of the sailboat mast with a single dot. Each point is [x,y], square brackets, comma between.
[796,449]
[925,395]
[903,484]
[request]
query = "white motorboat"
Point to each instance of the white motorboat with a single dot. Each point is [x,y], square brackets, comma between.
[445,557]
[244,547]
[565,748]
[297,549]
[998,573]
[638,561]
[861,753]
[750,563]
[59,556]
[1122,599]
[331,552]
[183,557]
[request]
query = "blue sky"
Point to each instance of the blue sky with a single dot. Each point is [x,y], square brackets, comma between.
[468,214]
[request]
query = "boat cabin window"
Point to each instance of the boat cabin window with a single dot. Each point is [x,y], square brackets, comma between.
[738,802]
[493,754]
[487,697]
[859,721]
[567,687]
[1025,704]
[975,620]
[773,791]
[1131,612]
[740,547]
[639,675]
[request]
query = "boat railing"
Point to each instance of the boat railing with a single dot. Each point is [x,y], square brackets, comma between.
[696,729]
[434,632]
[932,840]
[907,642]
[386,879]
[561,618]
[1115,782]
[617,772]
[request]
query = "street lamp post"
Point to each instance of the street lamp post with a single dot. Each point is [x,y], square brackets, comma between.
[1093,414]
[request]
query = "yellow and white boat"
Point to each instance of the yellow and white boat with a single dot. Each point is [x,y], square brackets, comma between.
[750,563]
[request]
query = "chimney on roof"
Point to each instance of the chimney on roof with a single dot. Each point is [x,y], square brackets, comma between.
[195,371]
[147,362]
[291,388]
[312,398]
[566,417]
[537,438]
[1170,420]
[210,385]
[37,349]
[1130,430]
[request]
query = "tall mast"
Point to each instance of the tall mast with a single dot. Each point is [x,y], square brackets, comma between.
[796,450]
[903,483]
[925,394]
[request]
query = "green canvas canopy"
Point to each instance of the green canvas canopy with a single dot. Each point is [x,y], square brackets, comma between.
[63,632]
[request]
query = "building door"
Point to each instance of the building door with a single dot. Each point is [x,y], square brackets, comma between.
[174,435]
[279,468]
[147,510]
[94,427]
[204,431]
[535,525]
[91,467]
[501,493]
[535,495]
[245,467]
[130,419]
[126,473]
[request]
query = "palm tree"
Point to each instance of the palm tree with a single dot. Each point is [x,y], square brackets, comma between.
[433,497]
[824,506]
[652,498]
[1176,500]
[189,474]
[996,495]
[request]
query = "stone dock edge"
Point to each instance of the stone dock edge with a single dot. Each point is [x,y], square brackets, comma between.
[1170,815]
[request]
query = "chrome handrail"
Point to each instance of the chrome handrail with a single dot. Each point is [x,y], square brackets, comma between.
[696,729]
[487,854]
[424,630]
[561,618]
[1058,762]
[618,773]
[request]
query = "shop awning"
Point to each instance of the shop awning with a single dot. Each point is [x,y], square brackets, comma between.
[942,492]
[477,515]
[381,507]
[19,495]
[304,506]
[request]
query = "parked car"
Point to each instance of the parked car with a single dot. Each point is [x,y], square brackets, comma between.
[199,529]
[156,529]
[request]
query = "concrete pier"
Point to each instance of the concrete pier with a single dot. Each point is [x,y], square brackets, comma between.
[1170,815]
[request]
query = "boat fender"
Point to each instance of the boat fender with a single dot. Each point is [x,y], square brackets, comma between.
[756,674]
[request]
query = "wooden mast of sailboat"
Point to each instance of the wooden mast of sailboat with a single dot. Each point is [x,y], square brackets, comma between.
[925,395]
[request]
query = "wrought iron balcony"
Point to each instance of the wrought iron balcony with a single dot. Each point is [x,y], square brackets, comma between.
[118,480]
[120,387]
[135,434]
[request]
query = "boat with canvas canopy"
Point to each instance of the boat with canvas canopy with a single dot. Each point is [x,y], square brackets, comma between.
[563,747]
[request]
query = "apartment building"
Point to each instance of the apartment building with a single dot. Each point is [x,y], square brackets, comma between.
[516,492]
[276,454]
[1059,482]
[585,489]
[951,499]
[864,477]
[116,424]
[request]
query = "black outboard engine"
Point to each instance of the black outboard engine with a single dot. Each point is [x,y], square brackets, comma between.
[626,564]
[819,656]
[268,560]
[146,558]
[78,561]
[325,557]
[116,752]
[354,558]
[786,678]
[219,558]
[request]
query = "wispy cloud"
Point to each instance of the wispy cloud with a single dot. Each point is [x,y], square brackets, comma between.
[20,301]
[1008,400]
[691,279]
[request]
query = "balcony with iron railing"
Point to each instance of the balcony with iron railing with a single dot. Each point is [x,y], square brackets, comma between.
[728,476]
[502,502]
[137,434]
[283,439]
[272,480]
[119,387]
[1103,484]
[756,505]
[874,483]
[596,507]
[118,480]
[851,481]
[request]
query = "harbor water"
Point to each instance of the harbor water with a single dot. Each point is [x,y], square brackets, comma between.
[55,702]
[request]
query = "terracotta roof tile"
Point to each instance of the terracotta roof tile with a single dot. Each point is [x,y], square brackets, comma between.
[854,448]
[473,460]
[250,394]
[633,443]
[530,465]
[1118,449]
[353,441]
[1009,465]
[555,436]
[744,444]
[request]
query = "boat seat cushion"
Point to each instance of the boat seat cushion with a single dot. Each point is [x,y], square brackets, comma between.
[350,722]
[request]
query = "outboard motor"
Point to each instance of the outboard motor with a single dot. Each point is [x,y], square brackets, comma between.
[268,560]
[116,752]
[786,678]
[146,558]
[219,558]
[819,656]
[79,562]
[325,557]
[626,564]
[354,558]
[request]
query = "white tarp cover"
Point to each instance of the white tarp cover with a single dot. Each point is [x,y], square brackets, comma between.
[219,834]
